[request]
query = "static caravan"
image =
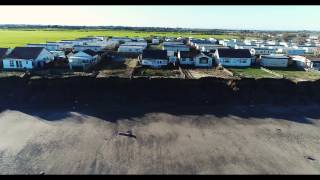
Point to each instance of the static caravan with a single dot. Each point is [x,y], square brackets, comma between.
[274,61]
[131,49]
[84,47]
[263,51]
[136,43]
[291,51]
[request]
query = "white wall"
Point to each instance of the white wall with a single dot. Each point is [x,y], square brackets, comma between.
[12,64]
[241,62]
[199,64]
[154,62]
[186,61]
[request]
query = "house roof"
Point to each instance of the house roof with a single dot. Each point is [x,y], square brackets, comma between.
[189,54]
[3,52]
[234,53]
[154,54]
[25,52]
[90,52]
[275,57]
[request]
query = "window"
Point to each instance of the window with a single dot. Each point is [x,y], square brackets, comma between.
[203,60]
[11,63]
[243,61]
[226,60]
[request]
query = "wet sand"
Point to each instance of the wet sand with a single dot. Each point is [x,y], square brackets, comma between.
[170,139]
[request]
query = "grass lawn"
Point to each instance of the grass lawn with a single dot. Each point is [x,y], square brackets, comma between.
[295,74]
[21,37]
[10,73]
[141,71]
[251,72]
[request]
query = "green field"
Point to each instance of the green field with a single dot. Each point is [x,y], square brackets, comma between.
[251,72]
[20,37]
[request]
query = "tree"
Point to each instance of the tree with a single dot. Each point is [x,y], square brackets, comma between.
[285,37]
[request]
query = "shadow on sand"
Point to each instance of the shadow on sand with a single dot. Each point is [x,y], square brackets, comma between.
[113,112]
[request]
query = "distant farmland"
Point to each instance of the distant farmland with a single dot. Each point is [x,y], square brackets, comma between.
[20,37]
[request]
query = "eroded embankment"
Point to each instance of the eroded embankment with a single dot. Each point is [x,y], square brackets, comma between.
[15,90]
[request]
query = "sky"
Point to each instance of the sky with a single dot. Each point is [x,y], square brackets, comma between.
[212,17]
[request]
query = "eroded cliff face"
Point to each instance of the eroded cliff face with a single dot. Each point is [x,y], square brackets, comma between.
[215,91]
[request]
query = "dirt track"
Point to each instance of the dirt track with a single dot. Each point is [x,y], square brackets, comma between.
[170,140]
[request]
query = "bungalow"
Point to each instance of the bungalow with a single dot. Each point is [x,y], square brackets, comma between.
[274,61]
[233,57]
[83,59]
[84,47]
[202,60]
[187,57]
[131,49]
[27,58]
[154,58]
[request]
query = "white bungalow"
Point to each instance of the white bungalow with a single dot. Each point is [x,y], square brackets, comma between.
[154,58]
[27,58]
[83,59]
[202,60]
[233,57]
[274,61]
